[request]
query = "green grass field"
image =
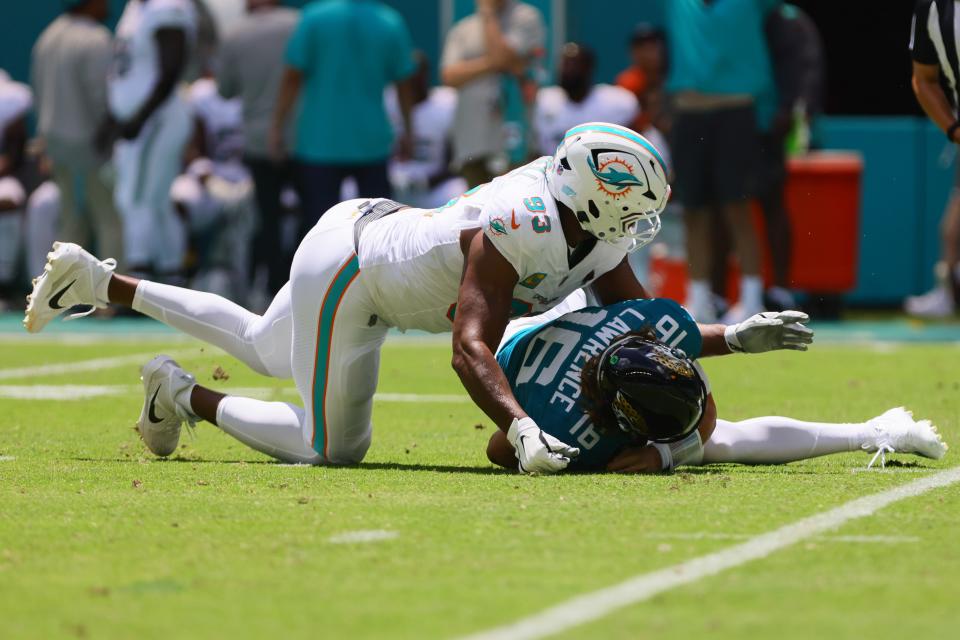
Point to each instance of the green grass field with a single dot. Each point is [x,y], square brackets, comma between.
[99,539]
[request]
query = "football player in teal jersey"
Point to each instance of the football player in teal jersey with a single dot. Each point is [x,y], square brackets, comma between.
[622,383]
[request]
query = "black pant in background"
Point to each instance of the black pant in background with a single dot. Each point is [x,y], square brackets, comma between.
[319,186]
[269,179]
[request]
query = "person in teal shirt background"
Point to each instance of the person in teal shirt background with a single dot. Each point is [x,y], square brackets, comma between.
[339,60]
[719,68]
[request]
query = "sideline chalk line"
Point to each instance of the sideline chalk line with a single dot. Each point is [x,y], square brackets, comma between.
[599,604]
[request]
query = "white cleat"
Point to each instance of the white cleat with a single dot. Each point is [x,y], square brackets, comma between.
[937,303]
[897,432]
[71,277]
[162,418]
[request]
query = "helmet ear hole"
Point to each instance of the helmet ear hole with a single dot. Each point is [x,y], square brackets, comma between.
[565,163]
[594,211]
[582,216]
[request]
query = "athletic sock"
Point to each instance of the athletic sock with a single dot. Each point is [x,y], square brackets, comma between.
[775,440]
[698,294]
[751,292]
[183,402]
[273,428]
[205,316]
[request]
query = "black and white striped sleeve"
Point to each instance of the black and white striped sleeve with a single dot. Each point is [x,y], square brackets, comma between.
[921,45]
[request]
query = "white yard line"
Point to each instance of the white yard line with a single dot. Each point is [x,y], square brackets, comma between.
[97,364]
[67,392]
[710,535]
[353,537]
[599,604]
[60,391]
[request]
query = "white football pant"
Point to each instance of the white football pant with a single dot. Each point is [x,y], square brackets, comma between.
[146,167]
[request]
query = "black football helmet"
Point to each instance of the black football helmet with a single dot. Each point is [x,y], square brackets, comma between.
[654,390]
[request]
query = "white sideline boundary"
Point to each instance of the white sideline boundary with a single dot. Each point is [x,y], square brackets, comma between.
[68,392]
[599,604]
[96,364]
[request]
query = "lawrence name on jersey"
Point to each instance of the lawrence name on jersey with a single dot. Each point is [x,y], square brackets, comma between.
[544,364]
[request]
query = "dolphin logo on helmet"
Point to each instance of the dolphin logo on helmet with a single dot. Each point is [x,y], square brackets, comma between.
[614,180]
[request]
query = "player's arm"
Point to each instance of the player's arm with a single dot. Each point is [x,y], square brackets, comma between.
[172,57]
[650,459]
[618,284]
[287,96]
[930,95]
[762,332]
[500,452]
[483,310]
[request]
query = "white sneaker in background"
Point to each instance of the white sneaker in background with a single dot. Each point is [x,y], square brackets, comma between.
[936,303]
[71,277]
[704,313]
[780,299]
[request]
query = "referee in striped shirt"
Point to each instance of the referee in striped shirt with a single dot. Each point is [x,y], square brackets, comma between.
[934,47]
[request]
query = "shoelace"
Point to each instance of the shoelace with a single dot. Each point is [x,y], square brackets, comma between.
[111,264]
[882,450]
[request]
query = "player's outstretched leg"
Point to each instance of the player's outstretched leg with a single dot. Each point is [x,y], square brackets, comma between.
[72,276]
[172,397]
[776,440]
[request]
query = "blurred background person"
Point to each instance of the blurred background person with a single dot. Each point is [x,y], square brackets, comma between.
[152,120]
[719,64]
[646,76]
[934,51]
[250,61]
[215,195]
[424,179]
[577,99]
[486,57]
[339,60]
[796,54]
[16,99]
[42,211]
[69,64]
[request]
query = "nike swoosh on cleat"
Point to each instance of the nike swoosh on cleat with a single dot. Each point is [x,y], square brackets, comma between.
[151,414]
[55,299]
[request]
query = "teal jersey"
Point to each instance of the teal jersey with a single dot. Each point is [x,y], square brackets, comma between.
[543,365]
[347,52]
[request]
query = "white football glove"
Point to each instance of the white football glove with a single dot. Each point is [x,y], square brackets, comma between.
[770,331]
[538,451]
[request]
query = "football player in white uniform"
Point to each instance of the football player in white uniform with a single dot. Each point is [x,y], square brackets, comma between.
[577,99]
[424,180]
[515,246]
[16,99]
[154,40]
[215,194]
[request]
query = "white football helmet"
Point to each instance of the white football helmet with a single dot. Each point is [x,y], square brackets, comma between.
[613,179]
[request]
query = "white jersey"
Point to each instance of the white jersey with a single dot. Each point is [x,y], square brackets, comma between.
[221,119]
[135,69]
[413,261]
[555,112]
[432,121]
[16,99]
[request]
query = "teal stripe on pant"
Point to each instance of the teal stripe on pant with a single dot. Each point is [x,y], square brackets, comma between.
[328,310]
